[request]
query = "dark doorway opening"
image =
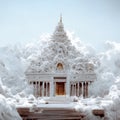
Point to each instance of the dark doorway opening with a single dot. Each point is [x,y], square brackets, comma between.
[60,88]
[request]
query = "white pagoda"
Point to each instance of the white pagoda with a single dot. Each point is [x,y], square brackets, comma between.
[61,69]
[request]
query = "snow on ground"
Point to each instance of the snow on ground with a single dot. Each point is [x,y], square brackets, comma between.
[8,110]
[105,91]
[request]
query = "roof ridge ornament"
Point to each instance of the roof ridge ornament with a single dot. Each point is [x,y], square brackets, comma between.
[60,18]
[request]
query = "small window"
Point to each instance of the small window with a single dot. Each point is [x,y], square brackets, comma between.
[59,66]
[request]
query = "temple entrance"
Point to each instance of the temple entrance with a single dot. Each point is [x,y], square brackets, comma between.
[60,88]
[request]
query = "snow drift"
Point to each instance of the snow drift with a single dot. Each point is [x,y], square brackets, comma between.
[8,110]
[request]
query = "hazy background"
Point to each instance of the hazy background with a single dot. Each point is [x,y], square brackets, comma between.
[93,21]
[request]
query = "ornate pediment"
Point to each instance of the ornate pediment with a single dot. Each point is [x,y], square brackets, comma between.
[61,56]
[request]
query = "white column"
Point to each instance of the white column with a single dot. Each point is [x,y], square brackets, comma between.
[37,88]
[51,88]
[48,89]
[65,88]
[43,90]
[54,88]
[78,89]
[86,89]
[75,89]
[82,88]
[68,86]
[72,89]
[34,88]
[40,89]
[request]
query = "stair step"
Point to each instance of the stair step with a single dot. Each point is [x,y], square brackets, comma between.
[50,114]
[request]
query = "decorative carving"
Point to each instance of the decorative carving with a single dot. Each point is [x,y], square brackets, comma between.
[89,67]
[60,56]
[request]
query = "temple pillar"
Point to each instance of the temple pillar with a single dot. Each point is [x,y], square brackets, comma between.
[78,89]
[51,89]
[48,88]
[43,89]
[81,89]
[65,88]
[54,88]
[68,87]
[72,89]
[34,86]
[40,88]
[86,89]
[37,89]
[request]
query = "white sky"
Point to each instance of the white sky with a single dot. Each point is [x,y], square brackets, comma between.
[93,21]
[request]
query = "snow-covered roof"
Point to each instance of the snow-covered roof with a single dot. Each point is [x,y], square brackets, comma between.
[60,56]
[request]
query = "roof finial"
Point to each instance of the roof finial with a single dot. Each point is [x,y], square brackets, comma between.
[60,18]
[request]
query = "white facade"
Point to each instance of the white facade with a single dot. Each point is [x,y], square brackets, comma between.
[61,69]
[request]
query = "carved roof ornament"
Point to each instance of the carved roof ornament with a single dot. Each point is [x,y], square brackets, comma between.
[60,18]
[59,34]
[61,54]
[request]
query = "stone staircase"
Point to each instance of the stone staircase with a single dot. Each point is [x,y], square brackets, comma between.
[50,114]
[59,100]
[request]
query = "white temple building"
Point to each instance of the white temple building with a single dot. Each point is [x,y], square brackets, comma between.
[61,69]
